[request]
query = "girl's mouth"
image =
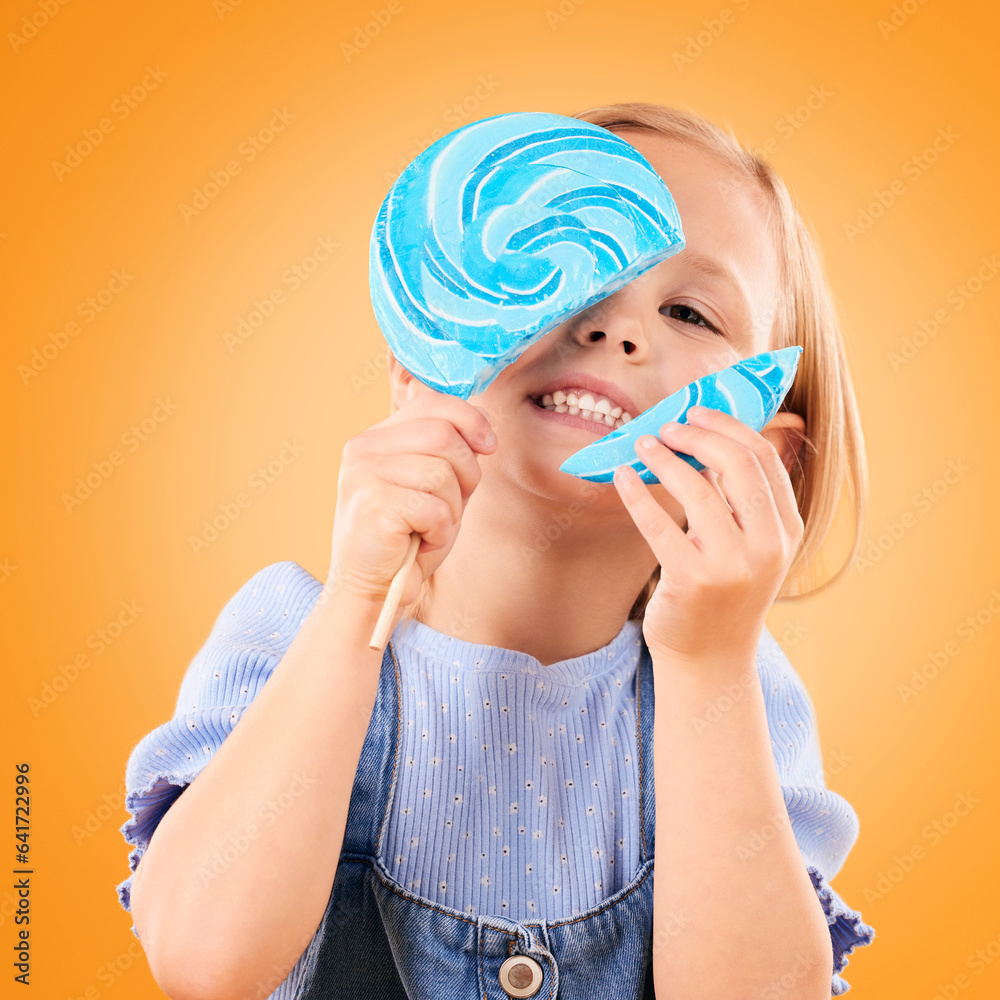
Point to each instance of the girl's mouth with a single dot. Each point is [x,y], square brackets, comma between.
[583,409]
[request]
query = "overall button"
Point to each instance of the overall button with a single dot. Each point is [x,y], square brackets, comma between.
[520,976]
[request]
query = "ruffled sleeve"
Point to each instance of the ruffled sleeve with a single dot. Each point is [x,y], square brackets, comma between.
[824,823]
[248,639]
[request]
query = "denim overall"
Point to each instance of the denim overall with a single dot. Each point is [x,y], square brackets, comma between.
[380,941]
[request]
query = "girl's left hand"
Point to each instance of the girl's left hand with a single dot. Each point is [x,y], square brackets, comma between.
[719,579]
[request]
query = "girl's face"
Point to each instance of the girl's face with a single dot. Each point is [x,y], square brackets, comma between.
[701,310]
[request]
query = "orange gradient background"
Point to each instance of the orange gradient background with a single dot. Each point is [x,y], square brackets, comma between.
[313,373]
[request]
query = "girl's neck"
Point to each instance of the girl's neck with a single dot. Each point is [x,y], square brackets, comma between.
[552,581]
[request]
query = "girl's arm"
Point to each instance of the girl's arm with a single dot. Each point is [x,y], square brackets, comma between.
[740,919]
[216,935]
[744,925]
[222,936]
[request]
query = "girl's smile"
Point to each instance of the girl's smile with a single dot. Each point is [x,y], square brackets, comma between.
[587,401]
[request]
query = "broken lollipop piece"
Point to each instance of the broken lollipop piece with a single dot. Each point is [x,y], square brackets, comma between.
[751,390]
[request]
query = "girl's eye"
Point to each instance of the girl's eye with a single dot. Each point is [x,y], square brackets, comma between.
[686,314]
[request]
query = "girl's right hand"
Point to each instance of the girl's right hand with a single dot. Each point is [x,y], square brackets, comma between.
[413,471]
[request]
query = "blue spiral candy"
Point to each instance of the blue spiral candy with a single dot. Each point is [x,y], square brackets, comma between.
[503,229]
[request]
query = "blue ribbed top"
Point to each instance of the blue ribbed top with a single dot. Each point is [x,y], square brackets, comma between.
[543,821]
[518,791]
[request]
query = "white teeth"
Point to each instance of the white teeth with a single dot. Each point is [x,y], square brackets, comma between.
[586,405]
[596,416]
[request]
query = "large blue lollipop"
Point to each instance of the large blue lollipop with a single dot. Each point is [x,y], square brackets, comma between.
[503,229]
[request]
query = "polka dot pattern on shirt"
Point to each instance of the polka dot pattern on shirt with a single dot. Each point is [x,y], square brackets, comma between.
[517,742]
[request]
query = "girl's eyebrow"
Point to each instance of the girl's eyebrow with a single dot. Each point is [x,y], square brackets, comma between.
[710,266]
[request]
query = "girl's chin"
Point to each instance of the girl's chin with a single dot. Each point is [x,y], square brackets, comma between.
[536,472]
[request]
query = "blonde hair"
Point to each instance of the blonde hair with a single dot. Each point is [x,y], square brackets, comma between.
[822,394]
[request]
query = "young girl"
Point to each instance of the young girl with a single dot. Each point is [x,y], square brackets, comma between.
[472,812]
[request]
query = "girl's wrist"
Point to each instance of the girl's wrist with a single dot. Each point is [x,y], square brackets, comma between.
[340,588]
[351,606]
[709,669]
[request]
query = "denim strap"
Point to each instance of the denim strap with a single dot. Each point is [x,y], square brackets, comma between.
[644,701]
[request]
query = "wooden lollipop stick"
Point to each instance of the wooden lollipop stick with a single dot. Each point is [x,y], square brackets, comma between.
[380,636]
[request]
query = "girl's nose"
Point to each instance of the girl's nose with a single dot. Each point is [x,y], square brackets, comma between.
[617,320]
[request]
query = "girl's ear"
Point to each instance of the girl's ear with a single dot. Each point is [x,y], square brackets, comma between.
[786,432]
[402,384]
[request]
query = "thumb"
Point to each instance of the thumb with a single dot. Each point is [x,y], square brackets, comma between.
[491,418]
